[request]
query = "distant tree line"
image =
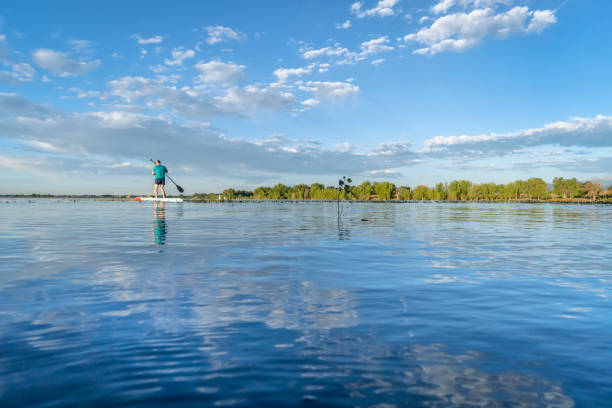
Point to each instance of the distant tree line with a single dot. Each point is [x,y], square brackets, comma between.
[457,190]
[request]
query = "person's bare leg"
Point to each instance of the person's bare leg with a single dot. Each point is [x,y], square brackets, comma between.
[156,191]
[163,190]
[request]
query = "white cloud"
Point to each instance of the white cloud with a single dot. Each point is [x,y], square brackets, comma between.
[3,49]
[218,34]
[311,103]
[156,95]
[81,94]
[20,72]
[442,6]
[375,46]
[119,137]
[329,90]
[179,55]
[220,72]
[581,132]
[198,103]
[337,52]
[156,39]
[341,55]
[378,61]
[461,31]
[385,174]
[541,19]
[284,73]
[344,26]
[80,46]
[59,64]
[484,3]
[383,8]
[241,101]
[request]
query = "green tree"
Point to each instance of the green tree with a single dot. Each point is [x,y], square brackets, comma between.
[298,192]
[229,194]
[384,190]
[279,192]
[362,191]
[537,189]
[316,191]
[403,193]
[459,189]
[421,192]
[261,193]
[566,188]
[440,191]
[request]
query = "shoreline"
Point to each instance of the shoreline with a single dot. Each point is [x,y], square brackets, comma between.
[191,199]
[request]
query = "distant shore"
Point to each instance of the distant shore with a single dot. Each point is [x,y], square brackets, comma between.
[199,199]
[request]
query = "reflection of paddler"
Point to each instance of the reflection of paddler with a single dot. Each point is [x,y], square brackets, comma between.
[159,222]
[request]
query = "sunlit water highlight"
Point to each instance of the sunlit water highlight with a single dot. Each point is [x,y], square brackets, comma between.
[278,304]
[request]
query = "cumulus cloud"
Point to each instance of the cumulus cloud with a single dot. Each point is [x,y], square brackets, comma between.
[344,26]
[336,51]
[156,95]
[195,103]
[444,5]
[13,105]
[59,64]
[218,34]
[156,39]
[220,72]
[385,174]
[18,73]
[329,90]
[120,136]
[81,46]
[461,31]
[179,55]
[238,100]
[310,103]
[341,55]
[284,73]
[541,19]
[579,132]
[375,46]
[383,8]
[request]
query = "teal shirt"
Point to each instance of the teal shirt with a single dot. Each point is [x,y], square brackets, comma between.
[160,171]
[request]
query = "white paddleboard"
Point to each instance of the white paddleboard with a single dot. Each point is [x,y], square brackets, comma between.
[161,200]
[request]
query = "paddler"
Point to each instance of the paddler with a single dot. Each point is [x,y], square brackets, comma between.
[160,177]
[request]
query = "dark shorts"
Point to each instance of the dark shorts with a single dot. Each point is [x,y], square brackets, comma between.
[161,181]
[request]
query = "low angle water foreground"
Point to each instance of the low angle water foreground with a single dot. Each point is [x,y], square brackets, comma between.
[279,304]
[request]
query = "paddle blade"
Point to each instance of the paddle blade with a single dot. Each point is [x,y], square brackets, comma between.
[179,188]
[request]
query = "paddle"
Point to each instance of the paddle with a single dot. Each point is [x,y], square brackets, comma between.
[179,188]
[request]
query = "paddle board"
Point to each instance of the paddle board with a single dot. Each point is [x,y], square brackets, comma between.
[161,200]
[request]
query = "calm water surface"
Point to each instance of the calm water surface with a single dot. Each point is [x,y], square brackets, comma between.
[419,305]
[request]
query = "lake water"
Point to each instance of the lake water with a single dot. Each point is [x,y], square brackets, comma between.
[279,304]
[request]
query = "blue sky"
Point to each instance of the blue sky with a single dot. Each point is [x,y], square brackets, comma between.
[242,93]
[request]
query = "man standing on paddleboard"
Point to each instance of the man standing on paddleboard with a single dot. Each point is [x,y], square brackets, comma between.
[160,177]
